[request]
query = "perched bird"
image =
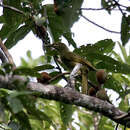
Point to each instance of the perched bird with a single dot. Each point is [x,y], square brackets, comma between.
[69,58]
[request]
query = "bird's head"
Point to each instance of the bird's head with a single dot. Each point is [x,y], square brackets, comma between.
[60,47]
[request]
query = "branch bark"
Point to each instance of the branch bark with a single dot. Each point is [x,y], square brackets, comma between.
[67,95]
[7,54]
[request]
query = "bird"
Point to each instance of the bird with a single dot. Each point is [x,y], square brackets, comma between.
[70,59]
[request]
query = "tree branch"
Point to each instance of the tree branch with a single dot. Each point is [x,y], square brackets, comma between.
[12,8]
[3,57]
[7,54]
[99,25]
[70,96]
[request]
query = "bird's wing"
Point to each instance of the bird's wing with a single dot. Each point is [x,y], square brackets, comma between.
[78,59]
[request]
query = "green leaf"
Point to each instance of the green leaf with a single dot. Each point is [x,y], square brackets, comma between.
[108,63]
[17,35]
[125,29]
[12,17]
[124,105]
[66,111]
[23,120]
[4,92]
[15,94]
[86,120]
[15,104]
[43,67]
[105,4]
[26,71]
[14,125]
[32,108]
[104,46]
[24,62]
[117,56]
[101,47]
[7,29]
[123,50]
[68,36]
[4,117]
[105,124]
[2,20]
[114,84]
[29,54]
[60,25]
[92,54]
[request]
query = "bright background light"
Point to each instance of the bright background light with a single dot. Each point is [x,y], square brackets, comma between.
[84,32]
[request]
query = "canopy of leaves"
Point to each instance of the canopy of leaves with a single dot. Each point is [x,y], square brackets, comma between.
[20,109]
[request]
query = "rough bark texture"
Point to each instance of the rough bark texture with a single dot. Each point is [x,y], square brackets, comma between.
[67,95]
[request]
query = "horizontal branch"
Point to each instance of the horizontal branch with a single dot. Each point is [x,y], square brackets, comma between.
[67,95]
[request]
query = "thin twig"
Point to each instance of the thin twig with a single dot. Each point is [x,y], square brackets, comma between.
[57,76]
[117,126]
[99,25]
[93,9]
[7,54]
[118,5]
[99,9]
[12,8]
[58,67]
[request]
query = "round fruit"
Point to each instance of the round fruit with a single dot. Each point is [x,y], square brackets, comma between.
[101,76]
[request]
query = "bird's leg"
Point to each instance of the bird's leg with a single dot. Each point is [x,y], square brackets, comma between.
[84,80]
[73,75]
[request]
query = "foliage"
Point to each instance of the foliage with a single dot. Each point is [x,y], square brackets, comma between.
[20,109]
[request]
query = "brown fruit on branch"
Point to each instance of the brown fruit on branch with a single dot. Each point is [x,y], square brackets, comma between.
[101,76]
[45,77]
[102,94]
[92,92]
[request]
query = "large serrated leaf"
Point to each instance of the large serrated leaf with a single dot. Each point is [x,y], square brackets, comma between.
[108,63]
[125,29]
[104,46]
[17,35]
[101,47]
[102,61]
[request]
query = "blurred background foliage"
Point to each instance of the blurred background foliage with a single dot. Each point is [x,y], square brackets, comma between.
[19,109]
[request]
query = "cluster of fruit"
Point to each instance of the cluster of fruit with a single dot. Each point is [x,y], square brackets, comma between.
[95,91]
[98,91]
